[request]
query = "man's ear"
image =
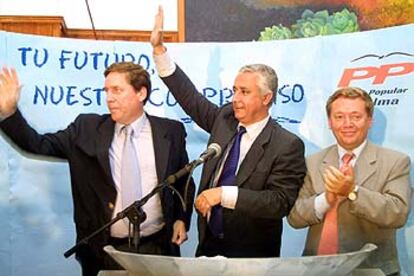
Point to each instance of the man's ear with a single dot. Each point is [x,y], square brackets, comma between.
[267,98]
[371,121]
[142,94]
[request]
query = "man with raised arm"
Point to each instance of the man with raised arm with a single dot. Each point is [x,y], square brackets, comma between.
[114,159]
[244,195]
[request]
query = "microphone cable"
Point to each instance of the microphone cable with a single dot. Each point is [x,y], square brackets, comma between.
[183,201]
[187,184]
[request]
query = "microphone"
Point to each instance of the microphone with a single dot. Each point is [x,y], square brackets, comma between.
[212,151]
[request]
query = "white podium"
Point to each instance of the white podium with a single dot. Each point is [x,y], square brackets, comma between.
[152,265]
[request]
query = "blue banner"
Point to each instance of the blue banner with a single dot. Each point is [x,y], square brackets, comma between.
[64,77]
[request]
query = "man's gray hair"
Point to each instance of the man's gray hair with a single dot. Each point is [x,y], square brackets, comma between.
[267,82]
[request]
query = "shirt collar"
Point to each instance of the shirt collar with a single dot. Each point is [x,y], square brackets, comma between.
[356,151]
[254,129]
[136,125]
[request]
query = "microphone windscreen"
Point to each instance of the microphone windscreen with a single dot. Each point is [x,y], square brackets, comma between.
[217,149]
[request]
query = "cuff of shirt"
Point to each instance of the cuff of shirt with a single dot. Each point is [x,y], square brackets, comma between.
[164,64]
[229,196]
[321,206]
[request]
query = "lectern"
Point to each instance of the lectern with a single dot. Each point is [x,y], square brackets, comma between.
[152,265]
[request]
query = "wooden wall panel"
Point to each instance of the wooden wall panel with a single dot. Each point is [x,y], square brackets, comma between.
[181,20]
[118,35]
[55,26]
[38,25]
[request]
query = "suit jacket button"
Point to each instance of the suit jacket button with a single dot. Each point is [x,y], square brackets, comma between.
[111,205]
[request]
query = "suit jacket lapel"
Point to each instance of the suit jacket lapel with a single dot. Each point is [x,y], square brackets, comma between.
[223,139]
[365,164]
[161,148]
[254,154]
[331,159]
[103,142]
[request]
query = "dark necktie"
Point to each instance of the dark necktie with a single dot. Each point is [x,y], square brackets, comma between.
[227,178]
[329,242]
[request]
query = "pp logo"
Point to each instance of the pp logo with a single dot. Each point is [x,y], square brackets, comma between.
[377,74]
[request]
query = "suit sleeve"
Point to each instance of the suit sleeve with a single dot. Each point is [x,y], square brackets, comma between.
[303,212]
[281,186]
[390,206]
[28,139]
[185,187]
[201,110]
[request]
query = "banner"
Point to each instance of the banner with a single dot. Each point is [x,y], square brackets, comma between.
[64,77]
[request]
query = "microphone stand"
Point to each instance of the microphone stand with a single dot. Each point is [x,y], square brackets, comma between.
[134,212]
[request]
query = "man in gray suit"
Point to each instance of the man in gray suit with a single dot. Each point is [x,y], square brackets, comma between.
[374,190]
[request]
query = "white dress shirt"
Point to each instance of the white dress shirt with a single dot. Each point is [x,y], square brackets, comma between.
[144,147]
[229,194]
[164,64]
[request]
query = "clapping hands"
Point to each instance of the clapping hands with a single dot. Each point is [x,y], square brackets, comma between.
[338,183]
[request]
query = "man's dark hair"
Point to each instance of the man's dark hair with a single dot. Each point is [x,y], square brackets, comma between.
[137,76]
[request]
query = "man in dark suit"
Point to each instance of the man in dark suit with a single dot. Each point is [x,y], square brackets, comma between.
[93,145]
[270,161]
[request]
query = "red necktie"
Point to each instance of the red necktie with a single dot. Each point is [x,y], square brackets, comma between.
[329,242]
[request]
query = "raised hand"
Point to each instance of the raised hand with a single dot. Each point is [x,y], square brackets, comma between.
[9,92]
[156,38]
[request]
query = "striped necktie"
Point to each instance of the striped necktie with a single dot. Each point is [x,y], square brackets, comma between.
[131,189]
